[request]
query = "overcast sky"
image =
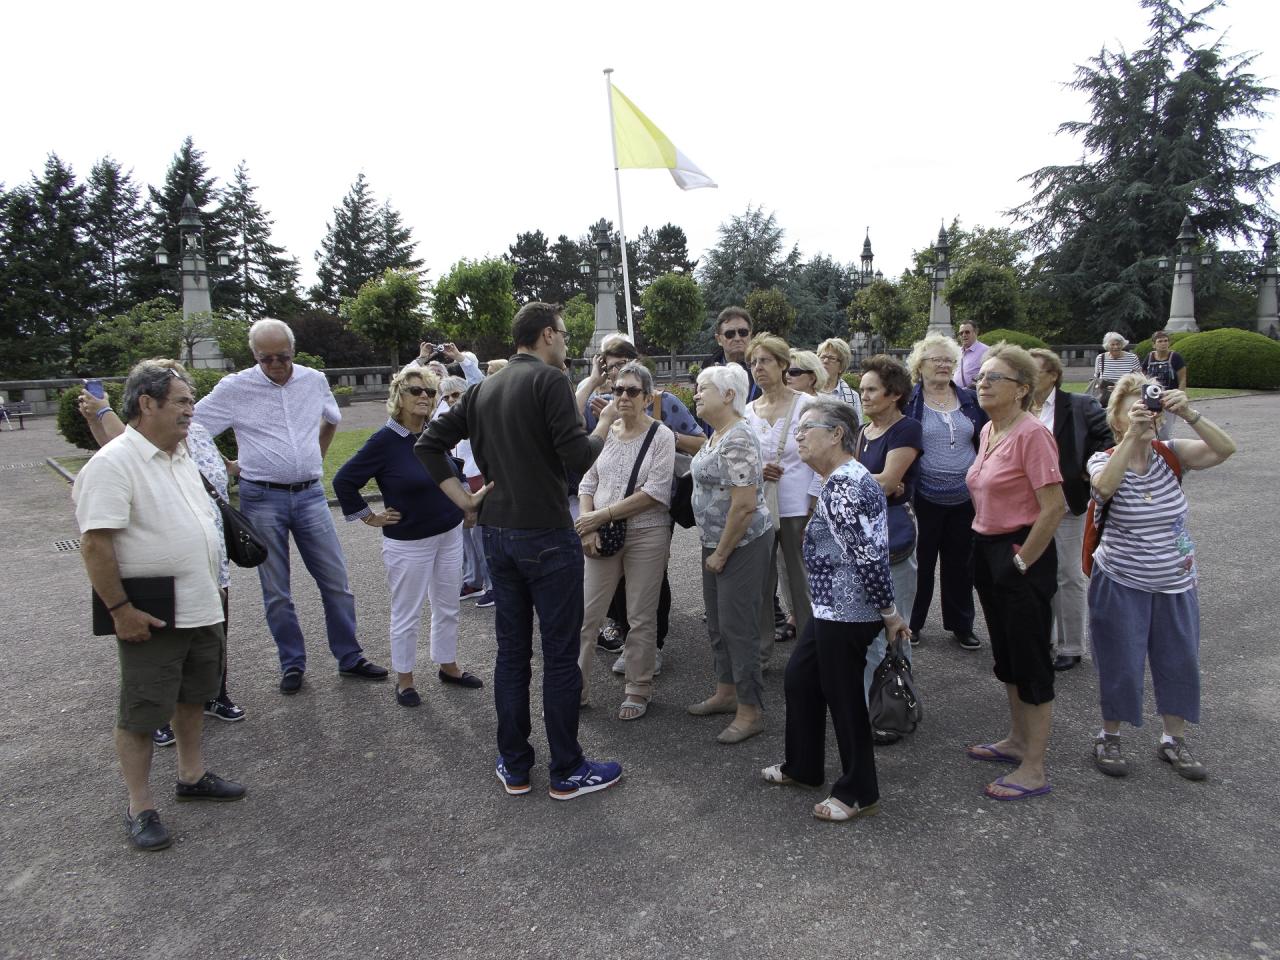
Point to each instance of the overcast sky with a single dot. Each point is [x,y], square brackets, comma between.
[479,121]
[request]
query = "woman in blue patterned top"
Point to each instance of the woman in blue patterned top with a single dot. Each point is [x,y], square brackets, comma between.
[1143,600]
[846,557]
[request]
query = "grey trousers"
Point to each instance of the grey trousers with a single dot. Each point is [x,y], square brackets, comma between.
[788,543]
[1070,603]
[734,598]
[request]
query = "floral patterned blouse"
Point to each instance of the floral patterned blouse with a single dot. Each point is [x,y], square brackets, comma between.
[735,460]
[606,481]
[846,548]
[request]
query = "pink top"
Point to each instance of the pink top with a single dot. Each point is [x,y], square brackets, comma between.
[1003,483]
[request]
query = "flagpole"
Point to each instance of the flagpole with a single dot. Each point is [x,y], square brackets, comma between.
[617,181]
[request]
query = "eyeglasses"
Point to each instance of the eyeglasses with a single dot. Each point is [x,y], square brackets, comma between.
[798,372]
[270,358]
[995,378]
[631,392]
[561,330]
[942,361]
[453,397]
[829,358]
[742,332]
[810,424]
[616,366]
[419,391]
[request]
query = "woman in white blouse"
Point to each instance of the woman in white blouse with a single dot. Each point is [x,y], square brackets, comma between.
[638,447]
[773,417]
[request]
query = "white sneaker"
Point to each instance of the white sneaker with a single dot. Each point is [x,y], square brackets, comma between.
[620,665]
[657,662]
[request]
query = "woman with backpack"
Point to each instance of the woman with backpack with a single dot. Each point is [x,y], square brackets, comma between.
[1166,367]
[1143,601]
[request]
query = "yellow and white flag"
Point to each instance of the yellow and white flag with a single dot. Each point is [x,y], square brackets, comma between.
[640,144]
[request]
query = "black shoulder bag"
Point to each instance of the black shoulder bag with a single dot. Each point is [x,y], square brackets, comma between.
[245,546]
[613,535]
[892,700]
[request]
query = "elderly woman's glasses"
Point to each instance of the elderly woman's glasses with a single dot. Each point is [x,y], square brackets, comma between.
[995,378]
[942,361]
[419,391]
[631,392]
[810,424]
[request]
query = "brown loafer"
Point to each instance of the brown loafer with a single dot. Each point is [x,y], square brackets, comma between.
[735,734]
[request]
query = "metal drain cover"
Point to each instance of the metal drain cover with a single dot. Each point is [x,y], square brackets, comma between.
[67,546]
[19,466]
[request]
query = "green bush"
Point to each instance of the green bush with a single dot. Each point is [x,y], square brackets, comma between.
[1024,340]
[852,379]
[1231,358]
[683,394]
[1143,348]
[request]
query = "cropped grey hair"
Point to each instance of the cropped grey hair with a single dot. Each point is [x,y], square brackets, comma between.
[150,378]
[831,410]
[450,384]
[1113,335]
[270,326]
[641,373]
[728,377]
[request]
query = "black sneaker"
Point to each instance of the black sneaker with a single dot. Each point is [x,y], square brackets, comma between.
[917,638]
[146,832]
[209,787]
[364,670]
[224,709]
[610,638]
[485,600]
[967,641]
[162,738]
[291,682]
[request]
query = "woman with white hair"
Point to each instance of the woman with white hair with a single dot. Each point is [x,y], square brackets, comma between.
[1112,364]
[737,543]
[835,356]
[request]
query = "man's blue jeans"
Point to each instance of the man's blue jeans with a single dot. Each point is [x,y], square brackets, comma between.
[275,514]
[536,570]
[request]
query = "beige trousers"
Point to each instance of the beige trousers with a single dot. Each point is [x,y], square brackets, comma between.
[642,560]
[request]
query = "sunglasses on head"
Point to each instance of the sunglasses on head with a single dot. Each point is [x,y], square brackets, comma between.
[631,392]
[419,391]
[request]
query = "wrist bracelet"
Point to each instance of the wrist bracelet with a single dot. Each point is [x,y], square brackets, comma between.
[893,611]
[1199,417]
[102,412]
[122,603]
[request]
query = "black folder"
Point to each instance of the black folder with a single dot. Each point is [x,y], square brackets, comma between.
[153,595]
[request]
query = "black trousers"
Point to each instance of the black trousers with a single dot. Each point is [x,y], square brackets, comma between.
[618,608]
[945,531]
[825,674]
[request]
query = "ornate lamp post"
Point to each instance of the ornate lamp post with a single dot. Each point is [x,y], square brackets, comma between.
[1182,303]
[194,272]
[606,275]
[1268,276]
[939,309]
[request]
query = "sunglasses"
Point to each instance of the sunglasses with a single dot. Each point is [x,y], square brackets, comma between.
[631,392]
[270,358]
[742,332]
[419,391]
[798,372]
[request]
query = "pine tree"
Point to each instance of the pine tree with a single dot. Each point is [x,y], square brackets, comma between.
[23,335]
[531,256]
[268,277]
[116,226]
[395,243]
[187,174]
[1168,136]
[348,253]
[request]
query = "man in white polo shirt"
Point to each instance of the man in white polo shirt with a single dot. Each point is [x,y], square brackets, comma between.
[143,512]
[284,416]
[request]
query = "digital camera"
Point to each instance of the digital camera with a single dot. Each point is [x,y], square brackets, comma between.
[1153,397]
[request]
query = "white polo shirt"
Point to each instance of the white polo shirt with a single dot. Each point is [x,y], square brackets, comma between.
[161,519]
[277,426]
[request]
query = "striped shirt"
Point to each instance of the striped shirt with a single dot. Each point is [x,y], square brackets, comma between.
[1111,369]
[948,454]
[1145,544]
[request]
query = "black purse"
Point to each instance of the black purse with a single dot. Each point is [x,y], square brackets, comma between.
[245,546]
[892,700]
[613,535]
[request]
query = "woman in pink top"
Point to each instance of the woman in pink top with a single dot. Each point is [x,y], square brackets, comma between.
[1017,498]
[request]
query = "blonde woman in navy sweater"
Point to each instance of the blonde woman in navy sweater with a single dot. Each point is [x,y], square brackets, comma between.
[421,533]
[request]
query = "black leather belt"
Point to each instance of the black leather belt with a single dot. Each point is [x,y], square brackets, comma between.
[291,487]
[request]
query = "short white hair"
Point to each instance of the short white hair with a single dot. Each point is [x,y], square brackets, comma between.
[267,325]
[724,378]
[450,384]
[1112,335]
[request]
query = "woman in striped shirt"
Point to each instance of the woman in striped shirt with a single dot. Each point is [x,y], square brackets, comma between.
[1112,364]
[1142,593]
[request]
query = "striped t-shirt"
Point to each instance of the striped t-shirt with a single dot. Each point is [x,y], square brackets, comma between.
[1145,544]
[1111,369]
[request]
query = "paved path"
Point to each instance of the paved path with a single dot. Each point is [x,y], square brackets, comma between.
[370,830]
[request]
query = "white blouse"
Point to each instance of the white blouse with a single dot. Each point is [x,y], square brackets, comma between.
[797,479]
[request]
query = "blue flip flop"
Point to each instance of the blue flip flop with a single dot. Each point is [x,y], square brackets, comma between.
[992,755]
[1023,793]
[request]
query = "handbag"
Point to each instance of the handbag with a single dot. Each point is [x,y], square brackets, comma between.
[771,486]
[682,501]
[1099,388]
[613,535]
[245,546]
[892,701]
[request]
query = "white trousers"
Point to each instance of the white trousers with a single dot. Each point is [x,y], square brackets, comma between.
[1071,602]
[429,569]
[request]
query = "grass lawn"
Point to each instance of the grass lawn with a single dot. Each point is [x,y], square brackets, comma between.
[1193,393]
[344,444]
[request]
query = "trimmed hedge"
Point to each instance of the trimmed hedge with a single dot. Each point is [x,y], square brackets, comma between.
[1024,340]
[1143,348]
[1231,358]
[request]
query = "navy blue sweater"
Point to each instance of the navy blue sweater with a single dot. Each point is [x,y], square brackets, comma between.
[387,458]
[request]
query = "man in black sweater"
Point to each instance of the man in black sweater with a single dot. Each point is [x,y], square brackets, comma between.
[525,433]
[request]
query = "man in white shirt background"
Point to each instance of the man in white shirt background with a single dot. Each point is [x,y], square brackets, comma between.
[284,417]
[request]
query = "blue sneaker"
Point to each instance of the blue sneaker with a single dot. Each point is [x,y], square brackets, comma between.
[485,600]
[593,775]
[509,782]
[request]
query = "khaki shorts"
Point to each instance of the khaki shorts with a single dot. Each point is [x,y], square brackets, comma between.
[177,665]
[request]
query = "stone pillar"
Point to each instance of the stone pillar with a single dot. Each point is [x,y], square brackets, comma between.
[1182,304]
[1268,277]
[939,309]
[606,288]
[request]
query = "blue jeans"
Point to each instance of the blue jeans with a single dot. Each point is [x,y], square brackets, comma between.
[538,570]
[275,514]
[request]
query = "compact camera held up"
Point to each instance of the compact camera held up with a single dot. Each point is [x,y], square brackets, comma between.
[1153,397]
